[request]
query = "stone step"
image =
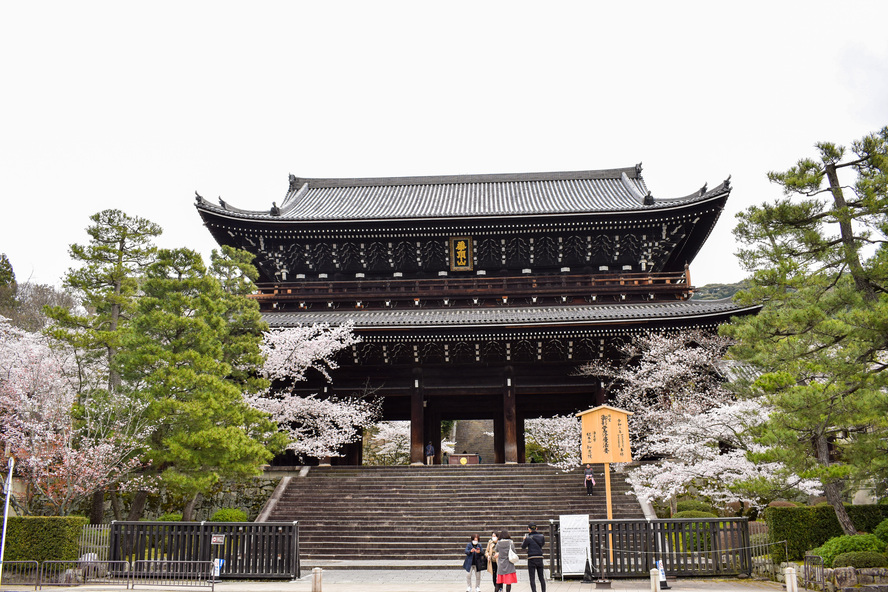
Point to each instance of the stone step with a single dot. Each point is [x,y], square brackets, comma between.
[383,513]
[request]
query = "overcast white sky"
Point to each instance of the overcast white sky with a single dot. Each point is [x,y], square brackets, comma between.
[137,105]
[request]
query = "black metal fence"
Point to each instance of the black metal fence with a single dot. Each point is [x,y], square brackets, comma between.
[687,547]
[79,572]
[20,573]
[266,550]
[39,575]
[812,573]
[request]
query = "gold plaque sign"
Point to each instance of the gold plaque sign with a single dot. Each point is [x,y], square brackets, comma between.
[605,435]
[461,253]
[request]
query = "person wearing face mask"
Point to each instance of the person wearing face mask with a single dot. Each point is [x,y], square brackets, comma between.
[474,562]
[490,553]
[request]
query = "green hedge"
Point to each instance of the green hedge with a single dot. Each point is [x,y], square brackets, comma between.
[861,559]
[807,527]
[229,515]
[693,506]
[848,544]
[43,538]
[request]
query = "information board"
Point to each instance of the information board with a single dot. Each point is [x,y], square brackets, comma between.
[575,545]
[605,436]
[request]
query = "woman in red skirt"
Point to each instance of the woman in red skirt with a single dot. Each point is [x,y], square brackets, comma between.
[505,569]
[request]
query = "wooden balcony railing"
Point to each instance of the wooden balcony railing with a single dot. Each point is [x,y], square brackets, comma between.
[663,284]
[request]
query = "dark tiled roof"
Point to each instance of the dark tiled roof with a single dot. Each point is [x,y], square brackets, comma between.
[506,317]
[465,195]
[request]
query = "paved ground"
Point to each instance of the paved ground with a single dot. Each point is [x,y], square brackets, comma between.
[446,580]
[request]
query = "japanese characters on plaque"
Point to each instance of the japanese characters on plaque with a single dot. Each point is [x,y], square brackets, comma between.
[461,253]
[605,433]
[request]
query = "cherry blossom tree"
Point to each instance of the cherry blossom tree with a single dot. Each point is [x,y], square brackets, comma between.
[686,414]
[710,451]
[317,426]
[65,449]
[556,439]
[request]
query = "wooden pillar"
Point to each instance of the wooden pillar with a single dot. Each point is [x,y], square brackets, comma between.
[510,422]
[522,458]
[433,430]
[417,421]
[600,398]
[354,452]
[499,455]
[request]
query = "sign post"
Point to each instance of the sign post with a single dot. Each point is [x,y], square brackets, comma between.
[7,489]
[605,433]
[217,540]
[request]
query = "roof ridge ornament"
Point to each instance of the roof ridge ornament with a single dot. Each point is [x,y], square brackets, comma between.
[703,189]
[648,199]
[727,182]
[294,182]
[638,170]
[275,210]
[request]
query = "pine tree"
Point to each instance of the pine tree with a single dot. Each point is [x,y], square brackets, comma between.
[190,351]
[7,286]
[819,264]
[106,284]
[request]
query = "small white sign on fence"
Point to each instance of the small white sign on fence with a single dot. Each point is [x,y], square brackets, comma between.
[218,539]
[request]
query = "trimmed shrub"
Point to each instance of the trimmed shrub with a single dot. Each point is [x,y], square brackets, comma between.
[171,517]
[846,544]
[861,559]
[782,504]
[695,535]
[229,515]
[881,530]
[692,505]
[43,538]
[695,514]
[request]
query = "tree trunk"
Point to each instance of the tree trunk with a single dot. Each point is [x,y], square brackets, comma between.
[849,245]
[115,505]
[138,506]
[97,512]
[188,510]
[833,489]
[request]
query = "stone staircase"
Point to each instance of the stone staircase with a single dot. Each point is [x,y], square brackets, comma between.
[428,513]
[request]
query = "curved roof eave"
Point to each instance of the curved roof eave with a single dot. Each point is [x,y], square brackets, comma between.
[670,205]
[413,320]
[388,199]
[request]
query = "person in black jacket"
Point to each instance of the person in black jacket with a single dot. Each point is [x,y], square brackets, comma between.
[533,542]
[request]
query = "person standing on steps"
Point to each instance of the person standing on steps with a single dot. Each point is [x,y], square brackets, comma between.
[505,568]
[533,542]
[473,563]
[490,553]
[589,479]
[430,454]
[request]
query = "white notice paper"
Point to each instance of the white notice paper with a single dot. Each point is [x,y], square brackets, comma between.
[575,545]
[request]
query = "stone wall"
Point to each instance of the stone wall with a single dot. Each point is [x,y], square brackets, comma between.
[248,494]
[842,579]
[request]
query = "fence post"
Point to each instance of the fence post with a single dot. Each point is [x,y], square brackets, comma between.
[792,584]
[551,549]
[297,563]
[203,543]
[655,580]
[113,551]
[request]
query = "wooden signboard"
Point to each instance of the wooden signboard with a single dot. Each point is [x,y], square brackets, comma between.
[605,435]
